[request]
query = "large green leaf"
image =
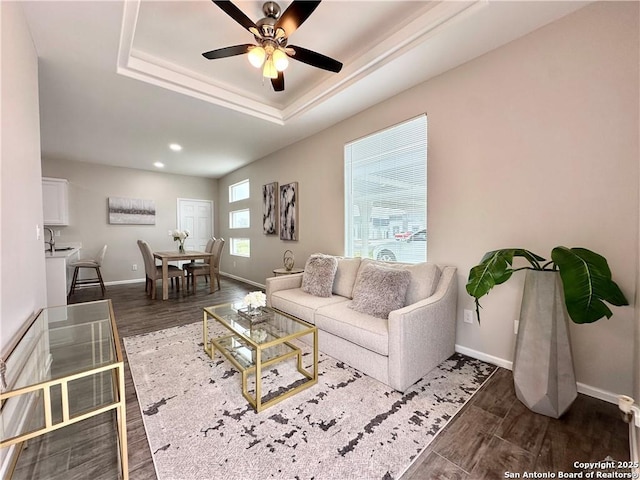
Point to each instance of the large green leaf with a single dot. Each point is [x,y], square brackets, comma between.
[587,283]
[494,269]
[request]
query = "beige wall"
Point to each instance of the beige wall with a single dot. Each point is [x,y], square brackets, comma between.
[532,145]
[636,357]
[89,188]
[22,267]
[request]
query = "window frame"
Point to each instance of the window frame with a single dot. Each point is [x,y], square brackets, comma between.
[242,210]
[236,187]
[233,243]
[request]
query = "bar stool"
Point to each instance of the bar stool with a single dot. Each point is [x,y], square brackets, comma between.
[96,263]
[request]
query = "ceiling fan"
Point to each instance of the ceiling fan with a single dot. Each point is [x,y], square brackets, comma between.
[271,52]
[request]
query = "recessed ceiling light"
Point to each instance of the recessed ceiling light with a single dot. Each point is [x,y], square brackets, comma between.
[158,164]
[175,147]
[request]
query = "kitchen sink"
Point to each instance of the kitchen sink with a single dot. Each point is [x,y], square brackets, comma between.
[62,249]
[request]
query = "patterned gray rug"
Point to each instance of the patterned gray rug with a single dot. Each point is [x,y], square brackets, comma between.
[348,426]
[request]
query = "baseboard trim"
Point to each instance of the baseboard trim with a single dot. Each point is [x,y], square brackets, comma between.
[501,362]
[123,282]
[244,280]
[484,357]
[141,280]
[598,393]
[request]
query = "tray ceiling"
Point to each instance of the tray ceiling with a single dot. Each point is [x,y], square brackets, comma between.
[120,80]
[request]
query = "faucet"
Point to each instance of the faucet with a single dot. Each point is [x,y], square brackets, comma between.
[52,243]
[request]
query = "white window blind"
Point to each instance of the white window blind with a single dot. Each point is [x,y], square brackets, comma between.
[386,193]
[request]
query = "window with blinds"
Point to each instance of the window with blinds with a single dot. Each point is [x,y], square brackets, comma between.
[386,194]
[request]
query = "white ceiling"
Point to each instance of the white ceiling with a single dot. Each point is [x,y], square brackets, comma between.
[119,80]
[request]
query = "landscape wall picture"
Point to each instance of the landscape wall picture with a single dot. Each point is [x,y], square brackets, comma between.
[132,211]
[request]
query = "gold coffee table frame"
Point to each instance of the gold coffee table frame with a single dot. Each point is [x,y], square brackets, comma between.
[250,353]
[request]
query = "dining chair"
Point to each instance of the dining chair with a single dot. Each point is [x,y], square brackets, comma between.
[195,269]
[94,263]
[153,272]
[193,264]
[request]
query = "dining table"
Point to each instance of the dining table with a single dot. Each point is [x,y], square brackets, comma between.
[187,255]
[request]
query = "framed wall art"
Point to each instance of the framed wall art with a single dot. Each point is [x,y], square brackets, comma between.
[131,211]
[270,208]
[289,211]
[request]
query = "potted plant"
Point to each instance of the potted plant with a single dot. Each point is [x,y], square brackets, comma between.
[574,284]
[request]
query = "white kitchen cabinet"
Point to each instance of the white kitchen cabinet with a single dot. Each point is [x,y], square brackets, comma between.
[59,273]
[55,201]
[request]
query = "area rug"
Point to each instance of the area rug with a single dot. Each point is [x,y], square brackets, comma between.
[348,426]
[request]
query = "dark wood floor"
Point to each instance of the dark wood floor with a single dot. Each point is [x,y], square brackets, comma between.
[495,434]
[492,435]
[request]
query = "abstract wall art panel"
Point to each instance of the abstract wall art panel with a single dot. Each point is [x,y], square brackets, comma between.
[270,208]
[289,211]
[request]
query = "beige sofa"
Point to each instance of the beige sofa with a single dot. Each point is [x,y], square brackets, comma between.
[397,351]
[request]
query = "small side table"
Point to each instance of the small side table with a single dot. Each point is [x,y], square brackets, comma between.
[284,271]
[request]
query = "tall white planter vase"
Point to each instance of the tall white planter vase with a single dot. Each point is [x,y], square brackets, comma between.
[543,373]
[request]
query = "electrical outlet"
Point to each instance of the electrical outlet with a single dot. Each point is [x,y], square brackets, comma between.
[57,233]
[516,323]
[468,316]
[37,232]
[134,267]
[234,263]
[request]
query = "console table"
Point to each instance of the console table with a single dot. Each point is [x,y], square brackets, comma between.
[63,367]
[283,271]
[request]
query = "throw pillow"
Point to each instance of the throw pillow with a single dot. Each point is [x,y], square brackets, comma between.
[424,278]
[346,276]
[380,290]
[319,272]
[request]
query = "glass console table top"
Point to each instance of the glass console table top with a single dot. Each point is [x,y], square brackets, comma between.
[66,367]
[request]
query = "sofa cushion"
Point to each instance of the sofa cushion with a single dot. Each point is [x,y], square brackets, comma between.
[301,304]
[424,278]
[319,272]
[346,276]
[380,290]
[358,328]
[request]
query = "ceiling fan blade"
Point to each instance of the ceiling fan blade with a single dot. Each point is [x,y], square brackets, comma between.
[278,83]
[228,51]
[315,59]
[295,15]
[235,13]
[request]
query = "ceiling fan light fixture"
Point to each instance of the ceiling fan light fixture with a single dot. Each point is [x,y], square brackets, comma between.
[271,33]
[280,60]
[269,70]
[256,56]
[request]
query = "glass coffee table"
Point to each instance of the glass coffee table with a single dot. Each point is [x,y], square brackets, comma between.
[255,344]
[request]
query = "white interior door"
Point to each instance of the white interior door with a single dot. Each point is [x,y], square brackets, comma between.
[197,217]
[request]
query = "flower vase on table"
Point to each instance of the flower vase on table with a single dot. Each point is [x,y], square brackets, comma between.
[179,236]
[253,303]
